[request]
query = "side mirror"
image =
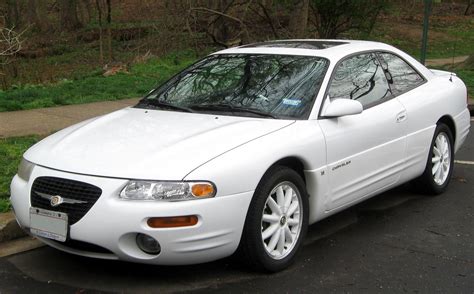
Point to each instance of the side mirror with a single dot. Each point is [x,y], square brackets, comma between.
[342,107]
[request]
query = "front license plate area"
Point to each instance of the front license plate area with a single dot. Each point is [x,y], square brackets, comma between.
[48,224]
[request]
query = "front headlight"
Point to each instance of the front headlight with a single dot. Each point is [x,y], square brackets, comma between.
[25,169]
[167,191]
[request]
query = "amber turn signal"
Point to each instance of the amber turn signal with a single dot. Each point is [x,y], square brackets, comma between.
[172,221]
[202,190]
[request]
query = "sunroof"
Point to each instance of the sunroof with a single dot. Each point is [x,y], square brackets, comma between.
[296,44]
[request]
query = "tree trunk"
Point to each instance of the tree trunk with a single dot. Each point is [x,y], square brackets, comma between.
[469,3]
[299,18]
[109,29]
[37,14]
[223,30]
[85,10]
[13,14]
[99,16]
[221,24]
[68,15]
[268,12]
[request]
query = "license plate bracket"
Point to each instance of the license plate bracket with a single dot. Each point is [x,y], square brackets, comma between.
[49,224]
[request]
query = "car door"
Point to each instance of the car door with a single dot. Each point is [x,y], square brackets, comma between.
[365,152]
[410,88]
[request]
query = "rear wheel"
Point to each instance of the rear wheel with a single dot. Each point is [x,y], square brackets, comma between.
[276,222]
[439,166]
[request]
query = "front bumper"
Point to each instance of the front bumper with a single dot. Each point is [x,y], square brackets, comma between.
[113,223]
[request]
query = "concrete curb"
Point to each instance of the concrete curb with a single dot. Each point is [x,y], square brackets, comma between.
[19,245]
[9,228]
[13,239]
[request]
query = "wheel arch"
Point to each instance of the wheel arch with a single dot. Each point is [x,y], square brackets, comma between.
[449,121]
[292,162]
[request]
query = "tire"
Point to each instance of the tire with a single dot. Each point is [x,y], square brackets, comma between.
[288,227]
[434,181]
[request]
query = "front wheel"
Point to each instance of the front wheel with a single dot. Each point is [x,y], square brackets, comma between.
[439,166]
[276,222]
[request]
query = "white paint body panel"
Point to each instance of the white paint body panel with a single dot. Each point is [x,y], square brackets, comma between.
[365,152]
[345,160]
[150,144]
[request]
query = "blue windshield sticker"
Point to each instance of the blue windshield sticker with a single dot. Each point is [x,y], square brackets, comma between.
[291,102]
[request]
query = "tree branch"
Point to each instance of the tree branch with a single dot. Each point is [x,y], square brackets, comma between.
[10,42]
[204,9]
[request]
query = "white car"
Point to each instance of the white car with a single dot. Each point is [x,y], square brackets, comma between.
[241,151]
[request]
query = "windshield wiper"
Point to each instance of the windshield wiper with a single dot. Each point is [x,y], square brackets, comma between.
[231,108]
[162,104]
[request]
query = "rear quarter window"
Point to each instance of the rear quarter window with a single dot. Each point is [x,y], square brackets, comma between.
[403,76]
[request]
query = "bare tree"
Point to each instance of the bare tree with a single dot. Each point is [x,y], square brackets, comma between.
[85,8]
[68,15]
[226,21]
[469,4]
[268,15]
[104,7]
[13,14]
[109,29]
[299,18]
[10,43]
[334,17]
[98,4]
[37,14]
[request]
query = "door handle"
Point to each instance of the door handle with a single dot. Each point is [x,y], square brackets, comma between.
[401,116]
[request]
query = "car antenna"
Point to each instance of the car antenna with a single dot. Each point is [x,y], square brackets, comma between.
[452,63]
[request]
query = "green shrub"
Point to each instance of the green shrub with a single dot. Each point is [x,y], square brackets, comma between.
[11,152]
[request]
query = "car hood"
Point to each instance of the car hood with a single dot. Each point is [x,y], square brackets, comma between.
[147,144]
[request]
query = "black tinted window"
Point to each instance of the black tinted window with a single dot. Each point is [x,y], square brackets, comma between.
[404,77]
[360,78]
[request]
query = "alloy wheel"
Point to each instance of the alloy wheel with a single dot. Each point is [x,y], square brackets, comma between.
[441,159]
[282,219]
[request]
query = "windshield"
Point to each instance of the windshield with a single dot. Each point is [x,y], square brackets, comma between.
[277,86]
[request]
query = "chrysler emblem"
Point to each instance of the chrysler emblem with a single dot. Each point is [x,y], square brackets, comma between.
[55,200]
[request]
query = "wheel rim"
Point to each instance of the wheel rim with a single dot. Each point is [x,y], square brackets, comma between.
[441,159]
[282,218]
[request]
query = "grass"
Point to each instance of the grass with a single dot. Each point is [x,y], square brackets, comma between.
[444,39]
[141,78]
[11,151]
[5,205]
[459,41]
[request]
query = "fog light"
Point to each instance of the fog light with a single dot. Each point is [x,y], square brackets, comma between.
[148,244]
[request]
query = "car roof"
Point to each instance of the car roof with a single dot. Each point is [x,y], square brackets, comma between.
[331,49]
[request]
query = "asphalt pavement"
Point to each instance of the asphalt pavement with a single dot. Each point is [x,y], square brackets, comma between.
[398,241]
